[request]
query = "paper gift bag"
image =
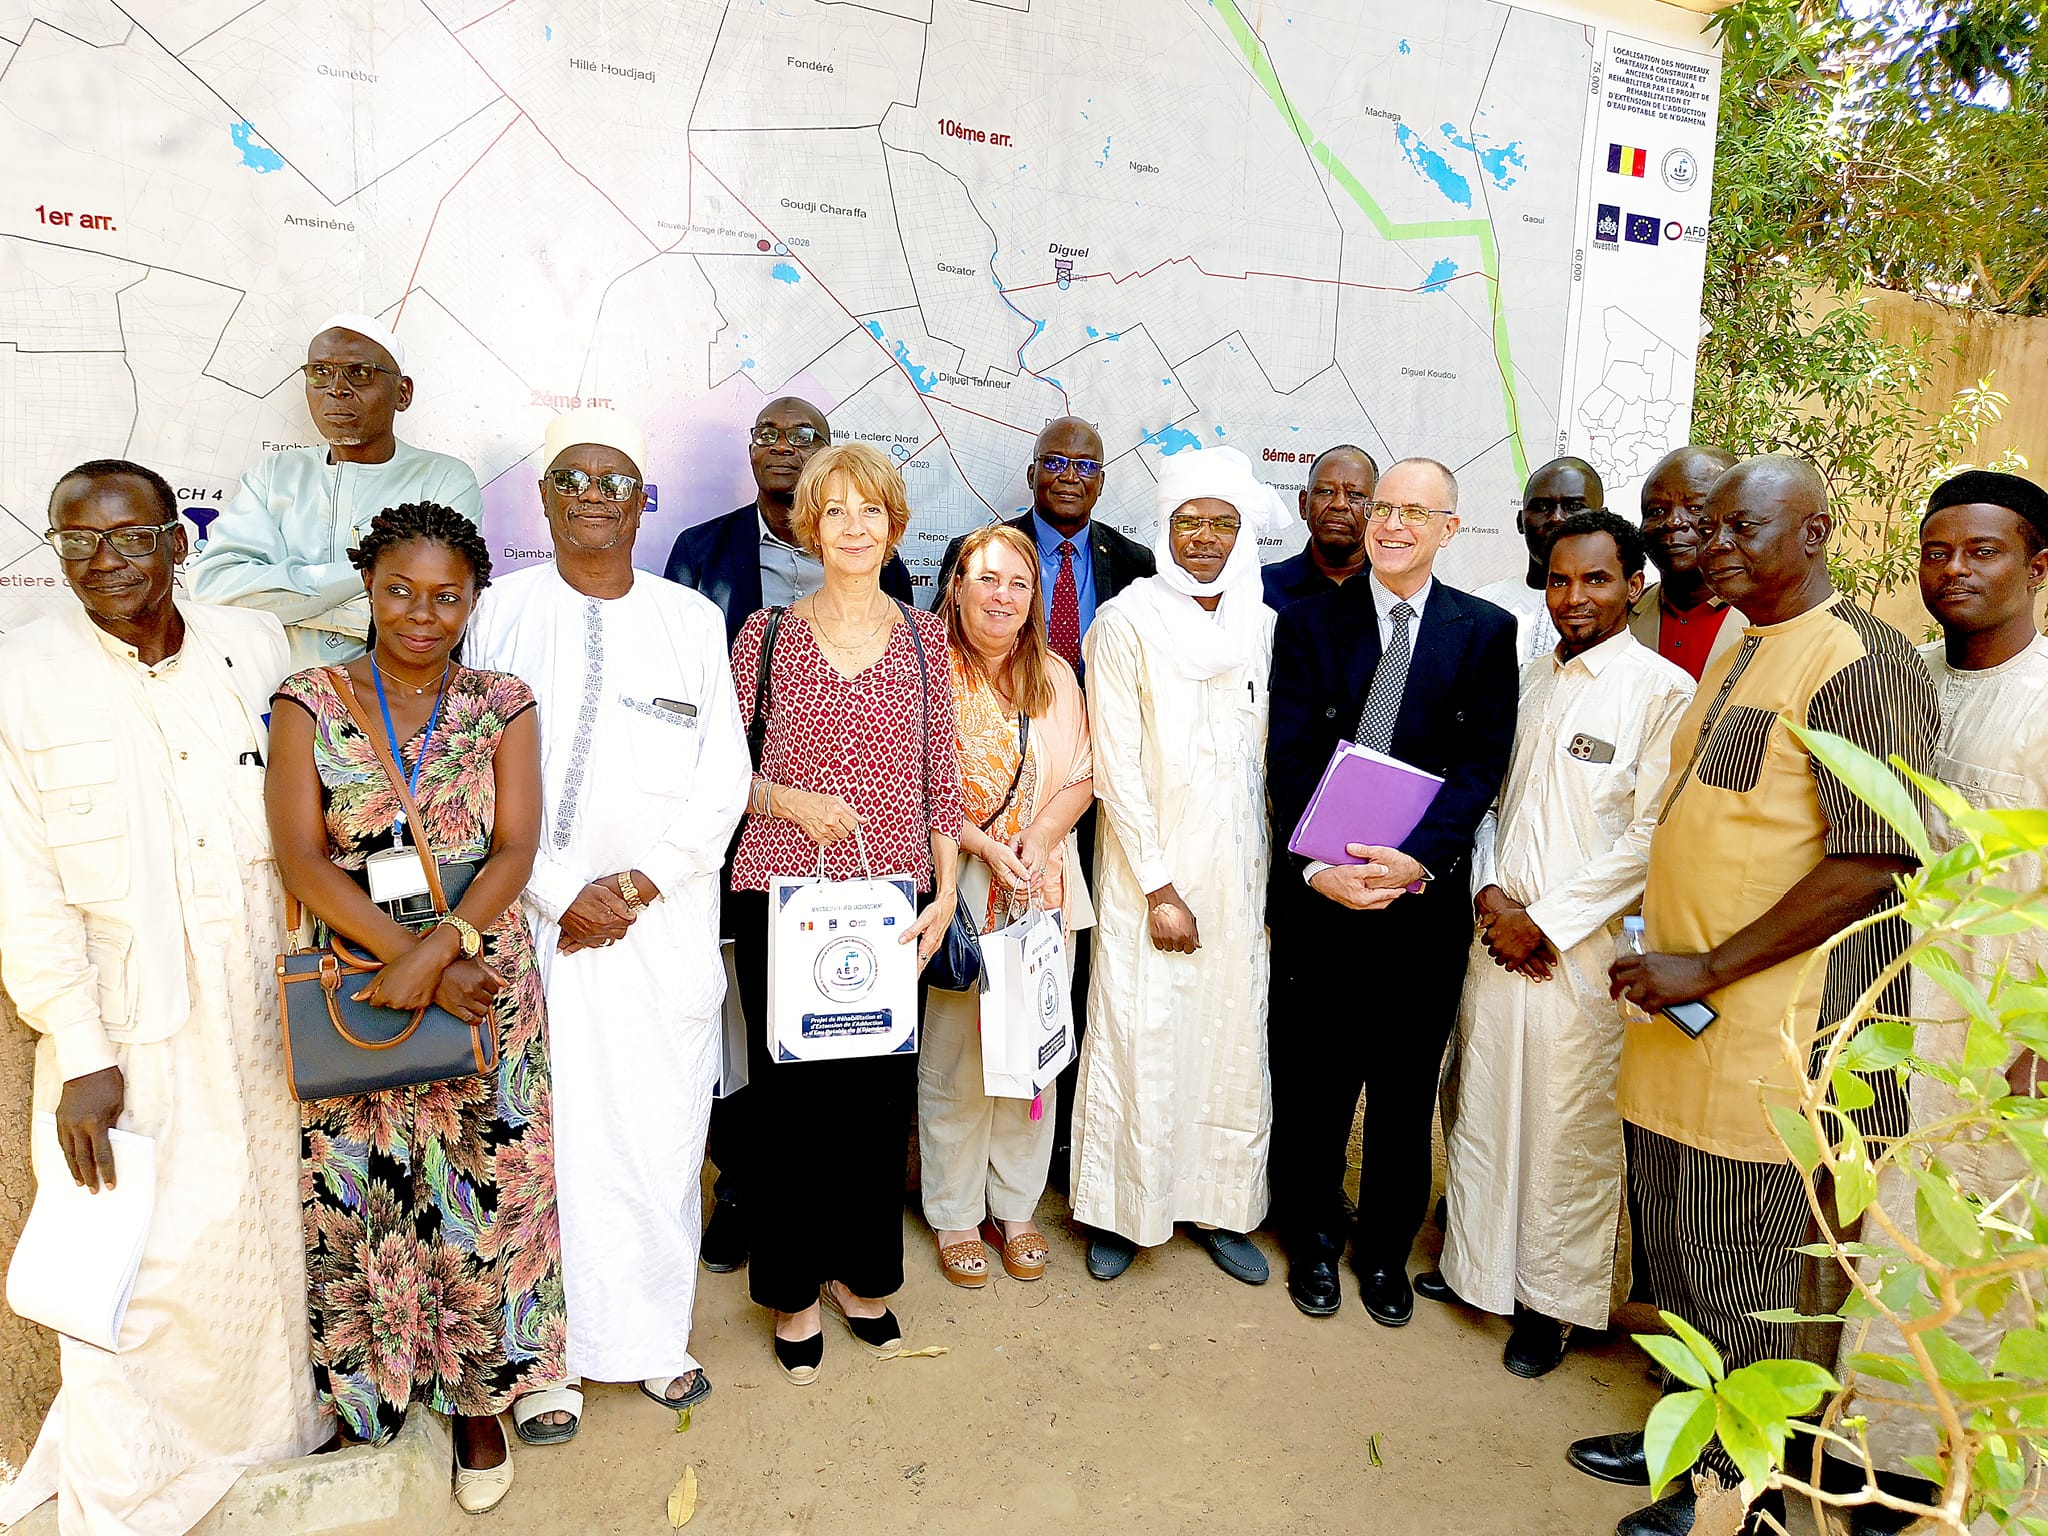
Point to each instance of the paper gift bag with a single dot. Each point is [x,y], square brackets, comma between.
[732,1040]
[840,981]
[1027,1014]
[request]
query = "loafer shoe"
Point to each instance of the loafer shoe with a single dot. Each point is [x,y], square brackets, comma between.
[1109,1255]
[1612,1458]
[1313,1286]
[1537,1346]
[1433,1286]
[1389,1299]
[724,1247]
[1669,1516]
[1235,1254]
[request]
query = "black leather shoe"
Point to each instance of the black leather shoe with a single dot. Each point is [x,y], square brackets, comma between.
[1537,1346]
[1612,1459]
[1389,1300]
[1669,1516]
[1313,1287]
[724,1248]
[1434,1287]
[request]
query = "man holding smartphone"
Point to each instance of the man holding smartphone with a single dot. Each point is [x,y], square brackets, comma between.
[1760,856]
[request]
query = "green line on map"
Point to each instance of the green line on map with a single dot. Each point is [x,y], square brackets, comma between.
[1480,229]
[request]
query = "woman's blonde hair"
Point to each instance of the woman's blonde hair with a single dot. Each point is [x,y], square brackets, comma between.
[874,479]
[1030,669]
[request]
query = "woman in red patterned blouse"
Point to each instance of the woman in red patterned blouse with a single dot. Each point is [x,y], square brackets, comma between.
[860,735]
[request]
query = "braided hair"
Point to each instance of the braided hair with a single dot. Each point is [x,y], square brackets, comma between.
[424,522]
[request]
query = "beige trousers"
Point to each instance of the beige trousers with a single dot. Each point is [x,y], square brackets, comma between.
[980,1156]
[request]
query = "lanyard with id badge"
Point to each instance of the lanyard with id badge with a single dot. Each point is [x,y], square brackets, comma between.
[396,875]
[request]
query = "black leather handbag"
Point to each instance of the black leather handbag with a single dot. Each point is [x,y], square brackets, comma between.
[336,1047]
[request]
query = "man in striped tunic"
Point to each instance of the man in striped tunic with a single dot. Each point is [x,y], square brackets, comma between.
[1759,857]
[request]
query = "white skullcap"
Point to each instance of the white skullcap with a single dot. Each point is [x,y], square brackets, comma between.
[1223,474]
[370,328]
[595,424]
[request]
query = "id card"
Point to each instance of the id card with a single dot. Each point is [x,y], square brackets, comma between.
[395,874]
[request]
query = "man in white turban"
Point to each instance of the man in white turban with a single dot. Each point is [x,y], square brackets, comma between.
[1174,1103]
[282,544]
[644,773]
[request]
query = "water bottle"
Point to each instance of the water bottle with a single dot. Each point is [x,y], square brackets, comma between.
[1631,941]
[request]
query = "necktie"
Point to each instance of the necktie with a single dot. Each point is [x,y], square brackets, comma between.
[1063,624]
[1383,695]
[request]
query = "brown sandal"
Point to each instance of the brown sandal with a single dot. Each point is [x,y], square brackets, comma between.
[1024,1255]
[953,1259]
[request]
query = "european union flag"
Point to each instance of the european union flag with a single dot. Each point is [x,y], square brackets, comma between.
[1642,228]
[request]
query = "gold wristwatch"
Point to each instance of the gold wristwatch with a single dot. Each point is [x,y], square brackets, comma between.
[472,941]
[631,892]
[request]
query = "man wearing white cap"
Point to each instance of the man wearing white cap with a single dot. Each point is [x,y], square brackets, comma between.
[644,772]
[282,544]
[1174,1105]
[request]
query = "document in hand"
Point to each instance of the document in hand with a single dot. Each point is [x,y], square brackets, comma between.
[75,1265]
[1365,797]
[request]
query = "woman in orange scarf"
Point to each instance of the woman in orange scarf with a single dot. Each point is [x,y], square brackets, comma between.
[984,1159]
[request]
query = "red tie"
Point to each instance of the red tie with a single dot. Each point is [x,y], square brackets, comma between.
[1063,625]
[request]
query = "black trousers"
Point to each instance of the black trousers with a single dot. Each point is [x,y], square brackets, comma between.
[1361,1000]
[730,1127]
[824,1156]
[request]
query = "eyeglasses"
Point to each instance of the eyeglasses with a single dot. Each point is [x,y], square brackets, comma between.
[129,543]
[797,437]
[359,375]
[1185,523]
[1329,495]
[574,482]
[1409,516]
[1057,464]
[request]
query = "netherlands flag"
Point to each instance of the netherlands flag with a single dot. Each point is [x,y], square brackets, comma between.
[1624,161]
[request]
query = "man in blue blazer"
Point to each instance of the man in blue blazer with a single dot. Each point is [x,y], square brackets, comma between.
[748,559]
[1369,958]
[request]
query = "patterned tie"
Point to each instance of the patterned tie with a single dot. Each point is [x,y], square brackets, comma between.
[1063,624]
[1383,697]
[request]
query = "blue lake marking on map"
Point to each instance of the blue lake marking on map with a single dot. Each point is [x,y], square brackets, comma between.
[783,272]
[1166,381]
[1219,431]
[1404,46]
[547,34]
[1496,160]
[1105,153]
[1441,273]
[924,379]
[1435,167]
[258,159]
[1095,335]
[1170,439]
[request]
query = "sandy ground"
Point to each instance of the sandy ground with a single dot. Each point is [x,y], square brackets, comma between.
[1171,1400]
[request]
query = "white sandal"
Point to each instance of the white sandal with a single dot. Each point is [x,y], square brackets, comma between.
[478,1489]
[556,1399]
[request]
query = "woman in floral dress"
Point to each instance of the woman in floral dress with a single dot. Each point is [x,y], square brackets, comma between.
[431,1245]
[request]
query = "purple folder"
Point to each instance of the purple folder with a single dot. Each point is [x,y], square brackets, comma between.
[1365,797]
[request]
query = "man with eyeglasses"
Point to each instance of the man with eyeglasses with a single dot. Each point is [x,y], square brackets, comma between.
[744,561]
[748,559]
[1333,504]
[1560,489]
[644,774]
[282,545]
[1369,957]
[140,910]
[1679,617]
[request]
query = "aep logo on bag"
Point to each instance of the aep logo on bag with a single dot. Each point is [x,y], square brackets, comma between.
[846,970]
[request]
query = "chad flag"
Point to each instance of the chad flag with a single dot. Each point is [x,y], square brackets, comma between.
[1624,161]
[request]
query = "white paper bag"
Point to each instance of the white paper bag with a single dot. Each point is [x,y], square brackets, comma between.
[732,1041]
[75,1265]
[840,981]
[1027,1013]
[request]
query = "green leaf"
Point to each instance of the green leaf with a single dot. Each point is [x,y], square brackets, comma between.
[1870,781]
[1697,1342]
[1745,1441]
[1939,1208]
[1675,1358]
[1855,1180]
[1796,1132]
[2023,1352]
[1894,1368]
[1800,1384]
[1675,1433]
[1954,1363]
[1939,795]
[1877,1046]
[1794,1315]
[1851,1091]
[1985,1048]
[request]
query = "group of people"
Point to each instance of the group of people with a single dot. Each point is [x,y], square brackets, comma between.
[608,769]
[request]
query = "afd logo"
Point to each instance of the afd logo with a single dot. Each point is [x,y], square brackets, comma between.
[1689,234]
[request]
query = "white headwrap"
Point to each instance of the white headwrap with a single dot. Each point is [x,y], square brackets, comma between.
[1203,644]
[595,424]
[370,328]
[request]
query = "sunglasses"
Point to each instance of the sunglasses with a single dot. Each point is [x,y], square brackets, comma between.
[1186,523]
[358,375]
[574,482]
[796,437]
[1057,464]
[129,543]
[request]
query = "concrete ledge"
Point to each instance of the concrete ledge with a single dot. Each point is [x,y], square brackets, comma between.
[398,1489]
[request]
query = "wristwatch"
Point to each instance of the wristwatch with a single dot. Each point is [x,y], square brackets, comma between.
[631,892]
[472,941]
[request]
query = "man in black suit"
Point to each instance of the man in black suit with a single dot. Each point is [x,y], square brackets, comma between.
[1333,503]
[1369,958]
[744,561]
[1082,564]
[748,559]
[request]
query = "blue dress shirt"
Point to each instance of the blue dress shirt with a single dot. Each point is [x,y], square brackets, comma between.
[1049,540]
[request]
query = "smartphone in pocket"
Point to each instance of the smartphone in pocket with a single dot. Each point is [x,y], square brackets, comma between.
[1693,1018]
